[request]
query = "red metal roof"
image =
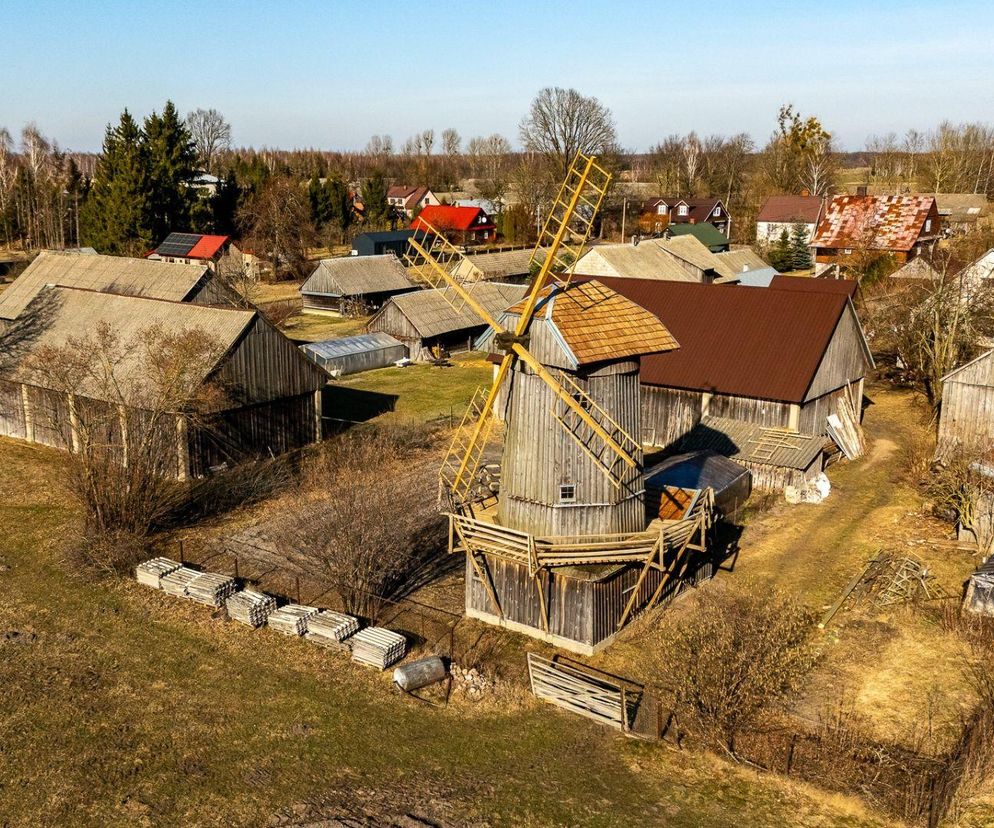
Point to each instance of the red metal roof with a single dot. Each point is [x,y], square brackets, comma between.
[783,209]
[448,217]
[207,247]
[875,222]
[737,340]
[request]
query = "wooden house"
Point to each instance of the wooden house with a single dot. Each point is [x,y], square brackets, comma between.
[193,283]
[425,320]
[900,226]
[270,394]
[354,285]
[659,213]
[405,200]
[777,359]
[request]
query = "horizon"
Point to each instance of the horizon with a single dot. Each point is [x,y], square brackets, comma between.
[329,78]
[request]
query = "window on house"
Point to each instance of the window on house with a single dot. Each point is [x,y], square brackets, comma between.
[928,225]
[661,209]
[683,210]
[847,251]
[567,493]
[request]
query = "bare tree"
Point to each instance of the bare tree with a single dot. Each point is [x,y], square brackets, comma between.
[379,146]
[489,159]
[211,135]
[562,122]
[277,222]
[691,152]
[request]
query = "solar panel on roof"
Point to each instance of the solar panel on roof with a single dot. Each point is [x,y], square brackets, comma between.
[178,244]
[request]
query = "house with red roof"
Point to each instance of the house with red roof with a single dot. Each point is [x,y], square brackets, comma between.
[191,248]
[785,212]
[405,200]
[460,225]
[658,213]
[902,226]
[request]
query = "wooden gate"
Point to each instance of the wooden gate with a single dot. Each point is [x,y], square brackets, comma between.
[582,690]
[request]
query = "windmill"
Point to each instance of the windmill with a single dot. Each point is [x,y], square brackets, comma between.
[432,259]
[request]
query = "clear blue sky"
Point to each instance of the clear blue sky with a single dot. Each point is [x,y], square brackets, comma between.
[304,73]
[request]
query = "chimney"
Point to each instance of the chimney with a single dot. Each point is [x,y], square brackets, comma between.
[861,190]
[805,192]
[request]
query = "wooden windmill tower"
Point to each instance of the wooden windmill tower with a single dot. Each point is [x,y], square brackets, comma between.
[568,391]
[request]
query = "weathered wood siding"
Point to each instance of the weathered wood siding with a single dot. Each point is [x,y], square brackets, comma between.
[266,366]
[258,431]
[967,416]
[844,360]
[762,412]
[814,413]
[212,291]
[389,319]
[668,414]
[539,457]
[12,420]
[50,417]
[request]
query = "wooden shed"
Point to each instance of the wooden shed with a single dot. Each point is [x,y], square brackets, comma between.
[271,394]
[780,358]
[966,418]
[354,285]
[152,279]
[427,319]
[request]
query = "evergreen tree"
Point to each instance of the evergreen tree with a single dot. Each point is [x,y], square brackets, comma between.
[780,253]
[117,215]
[338,204]
[172,165]
[374,199]
[800,253]
[225,204]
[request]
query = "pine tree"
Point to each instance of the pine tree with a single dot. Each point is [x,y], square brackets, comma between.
[172,165]
[225,204]
[374,199]
[800,254]
[780,253]
[338,202]
[117,215]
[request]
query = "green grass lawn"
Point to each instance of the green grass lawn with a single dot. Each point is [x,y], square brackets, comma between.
[316,327]
[423,392]
[122,706]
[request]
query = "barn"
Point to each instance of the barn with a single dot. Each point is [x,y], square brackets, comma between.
[509,266]
[426,319]
[757,372]
[116,274]
[271,394]
[354,285]
[966,420]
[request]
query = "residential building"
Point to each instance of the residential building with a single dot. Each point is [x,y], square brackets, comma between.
[191,248]
[658,213]
[961,212]
[900,226]
[460,225]
[681,259]
[785,212]
[405,200]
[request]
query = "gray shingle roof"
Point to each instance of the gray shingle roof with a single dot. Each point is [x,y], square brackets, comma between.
[357,276]
[495,266]
[111,274]
[431,314]
[743,441]
[646,260]
[742,260]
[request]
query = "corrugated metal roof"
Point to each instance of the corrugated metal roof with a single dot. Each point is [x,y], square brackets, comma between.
[875,222]
[737,340]
[742,260]
[646,260]
[783,209]
[757,278]
[449,217]
[752,443]
[76,313]
[597,324]
[431,314]
[838,287]
[357,276]
[707,234]
[110,274]
[347,345]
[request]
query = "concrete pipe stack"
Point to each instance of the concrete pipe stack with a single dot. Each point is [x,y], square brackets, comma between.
[250,607]
[378,647]
[291,619]
[152,571]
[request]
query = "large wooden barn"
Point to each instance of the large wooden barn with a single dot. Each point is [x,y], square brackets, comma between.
[425,320]
[354,285]
[752,363]
[270,400]
[116,274]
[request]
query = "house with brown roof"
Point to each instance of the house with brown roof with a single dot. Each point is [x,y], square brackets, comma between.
[658,213]
[405,200]
[901,226]
[784,212]
[752,364]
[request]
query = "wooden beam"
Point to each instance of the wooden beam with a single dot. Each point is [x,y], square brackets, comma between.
[486,583]
[541,600]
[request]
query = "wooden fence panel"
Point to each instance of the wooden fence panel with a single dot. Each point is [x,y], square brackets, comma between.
[576,691]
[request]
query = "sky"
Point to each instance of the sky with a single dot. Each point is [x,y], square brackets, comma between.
[328,75]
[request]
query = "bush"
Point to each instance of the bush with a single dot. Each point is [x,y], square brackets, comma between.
[737,654]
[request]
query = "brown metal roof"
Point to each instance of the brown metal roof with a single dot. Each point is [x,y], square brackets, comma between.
[839,287]
[782,209]
[737,340]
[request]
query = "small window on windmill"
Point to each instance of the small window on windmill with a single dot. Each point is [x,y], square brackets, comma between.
[567,493]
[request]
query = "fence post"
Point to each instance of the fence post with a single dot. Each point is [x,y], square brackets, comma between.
[182,554]
[297,579]
[790,753]
[624,710]
[236,566]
